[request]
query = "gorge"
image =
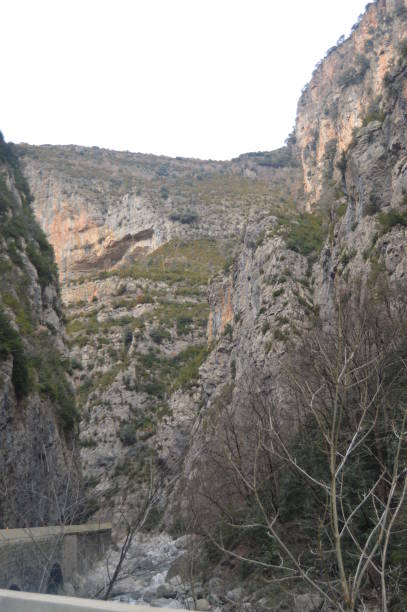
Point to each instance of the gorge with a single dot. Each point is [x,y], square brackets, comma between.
[225,362]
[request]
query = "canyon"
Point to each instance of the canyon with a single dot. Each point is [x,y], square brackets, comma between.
[190,292]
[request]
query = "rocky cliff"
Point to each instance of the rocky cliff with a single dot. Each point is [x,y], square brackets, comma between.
[40,476]
[350,89]
[137,239]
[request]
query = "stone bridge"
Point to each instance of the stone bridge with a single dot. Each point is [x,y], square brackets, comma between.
[42,559]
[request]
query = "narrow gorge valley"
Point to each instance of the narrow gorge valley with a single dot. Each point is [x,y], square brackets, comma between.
[211,354]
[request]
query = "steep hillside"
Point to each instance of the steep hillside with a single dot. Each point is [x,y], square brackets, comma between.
[274,401]
[101,207]
[352,87]
[319,291]
[39,473]
[137,238]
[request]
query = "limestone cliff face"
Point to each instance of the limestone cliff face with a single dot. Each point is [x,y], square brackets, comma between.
[351,132]
[93,233]
[349,88]
[265,303]
[101,208]
[40,477]
[136,239]
[352,142]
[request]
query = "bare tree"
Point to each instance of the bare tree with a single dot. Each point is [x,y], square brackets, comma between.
[332,432]
[59,502]
[133,521]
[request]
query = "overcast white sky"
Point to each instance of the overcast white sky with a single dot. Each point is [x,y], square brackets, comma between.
[197,78]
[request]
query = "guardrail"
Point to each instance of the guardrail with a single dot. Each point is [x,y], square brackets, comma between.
[12,535]
[19,601]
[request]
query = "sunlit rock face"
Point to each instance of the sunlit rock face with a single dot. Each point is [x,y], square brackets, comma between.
[187,283]
[347,90]
[137,239]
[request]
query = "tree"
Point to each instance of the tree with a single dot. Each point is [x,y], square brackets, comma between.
[133,524]
[313,464]
[59,502]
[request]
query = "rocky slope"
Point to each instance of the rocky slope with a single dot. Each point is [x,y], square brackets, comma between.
[137,238]
[40,481]
[352,86]
[351,138]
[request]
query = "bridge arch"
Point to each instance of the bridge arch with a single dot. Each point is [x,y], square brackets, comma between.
[55,580]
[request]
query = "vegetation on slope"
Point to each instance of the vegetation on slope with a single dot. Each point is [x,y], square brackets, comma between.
[36,364]
[321,503]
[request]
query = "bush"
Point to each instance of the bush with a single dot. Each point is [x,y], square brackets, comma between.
[374,113]
[53,383]
[403,48]
[354,74]
[11,344]
[183,323]
[44,265]
[304,234]
[390,219]
[159,334]
[189,362]
[164,193]
[400,9]
[373,206]
[127,338]
[186,218]
[128,434]
[190,262]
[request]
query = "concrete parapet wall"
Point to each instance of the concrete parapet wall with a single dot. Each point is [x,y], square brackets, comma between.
[28,557]
[35,533]
[14,601]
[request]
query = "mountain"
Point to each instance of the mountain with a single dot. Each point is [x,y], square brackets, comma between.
[237,330]
[136,239]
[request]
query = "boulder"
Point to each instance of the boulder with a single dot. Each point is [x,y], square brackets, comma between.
[202,605]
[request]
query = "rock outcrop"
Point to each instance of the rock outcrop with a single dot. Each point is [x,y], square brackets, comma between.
[40,475]
[137,239]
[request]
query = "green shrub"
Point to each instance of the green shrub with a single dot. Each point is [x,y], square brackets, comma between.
[128,434]
[22,311]
[374,112]
[278,292]
[186,218]
[346,256]
[354,74]
[373,206]
[388,220]
[88,442]
[53,383]
[11,344]
[127,338]
[183,323]
[189,362]
[159,334]
[186,262]
[154,387]
[305,233]
[228,331]
[44,265]
[280,335]
[403,49]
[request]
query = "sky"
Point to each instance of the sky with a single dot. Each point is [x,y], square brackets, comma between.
[195,78]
